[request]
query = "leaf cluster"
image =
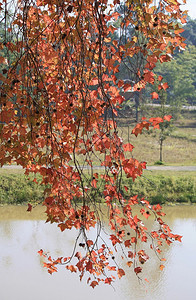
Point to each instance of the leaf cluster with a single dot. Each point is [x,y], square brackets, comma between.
[59,98]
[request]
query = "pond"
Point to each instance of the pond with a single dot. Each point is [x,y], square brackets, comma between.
[22,276]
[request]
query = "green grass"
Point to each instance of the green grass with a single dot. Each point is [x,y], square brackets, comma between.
[16,188]
[166,186]
[11,171]
[178,148]
[157,186]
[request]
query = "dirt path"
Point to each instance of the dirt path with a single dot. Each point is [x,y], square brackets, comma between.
[151,168]
[172,168]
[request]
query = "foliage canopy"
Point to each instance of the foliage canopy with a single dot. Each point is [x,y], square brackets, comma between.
[59,100]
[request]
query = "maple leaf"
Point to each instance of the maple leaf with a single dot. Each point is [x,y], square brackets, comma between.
[40,252]
[155,122]
[72,268]
[143,257]
[149,76]
[128,147]
[127,243]
[108,280]
[165,86]
[120,273]
[89,266]
[114,239]
[167,118]
[155,95]
[93,284]
[89,243]
[178,238]
[29,207]
[130,254]
[63,226]
[146,214]
[161,267]
[111,268]
[133,240]
[129,263]
[139,127]
[138,270]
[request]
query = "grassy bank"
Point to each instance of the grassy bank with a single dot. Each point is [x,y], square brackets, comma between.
[165,187]
[157,187]
[15,188]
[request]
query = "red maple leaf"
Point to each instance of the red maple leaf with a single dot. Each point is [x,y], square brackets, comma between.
[154,95]
[29,207]
[167,118]
[138,270]
[120,273]
[93,284]
[128,147]
[165,86]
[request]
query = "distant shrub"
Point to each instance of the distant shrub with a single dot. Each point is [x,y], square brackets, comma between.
[193,198]
[158,199]
[159,163]
[182,198]
[18,189]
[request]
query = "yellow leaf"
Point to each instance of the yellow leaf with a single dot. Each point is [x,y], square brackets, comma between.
[172,2]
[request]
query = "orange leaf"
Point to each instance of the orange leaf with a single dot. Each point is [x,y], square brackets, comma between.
[154,95]
[128,147]
[93,284]
[130,254]
[167,118]
[129,263]
[120,273]
[133,240]
[108,280]
[40,252]
[161,267]
[178,237]
[165,86]
[127,243]
[72,268]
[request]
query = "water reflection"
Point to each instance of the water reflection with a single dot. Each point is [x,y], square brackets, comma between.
[23,277]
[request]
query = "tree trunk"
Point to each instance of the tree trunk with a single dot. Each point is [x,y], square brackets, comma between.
[136,106]
[161,149]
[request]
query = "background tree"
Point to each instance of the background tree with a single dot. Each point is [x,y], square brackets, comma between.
[131,66]
[180,73]
[59,101]
[190,32]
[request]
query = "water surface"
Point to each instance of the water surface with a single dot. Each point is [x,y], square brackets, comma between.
[22,276]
